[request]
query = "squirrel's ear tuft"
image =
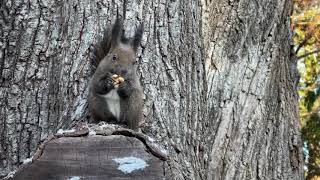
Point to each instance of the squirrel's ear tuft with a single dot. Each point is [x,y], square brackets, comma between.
[116,32]
[137,37]
[101,49]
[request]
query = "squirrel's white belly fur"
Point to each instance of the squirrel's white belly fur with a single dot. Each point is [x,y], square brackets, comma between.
[113,100]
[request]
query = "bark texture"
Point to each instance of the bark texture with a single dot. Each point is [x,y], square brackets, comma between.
[253,91]
[219,84]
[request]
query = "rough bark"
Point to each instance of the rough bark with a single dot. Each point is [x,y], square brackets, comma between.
[253,99]
[219,84]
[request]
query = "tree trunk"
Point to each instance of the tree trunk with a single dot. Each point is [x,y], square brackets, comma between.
[219,82]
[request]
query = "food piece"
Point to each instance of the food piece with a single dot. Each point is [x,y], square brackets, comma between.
[120,79]
[115,76]
[117,80]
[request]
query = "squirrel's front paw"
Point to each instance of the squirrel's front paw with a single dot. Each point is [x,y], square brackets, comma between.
[124,89]
[108,83]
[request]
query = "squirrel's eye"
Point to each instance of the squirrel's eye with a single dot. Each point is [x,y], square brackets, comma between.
[114,57]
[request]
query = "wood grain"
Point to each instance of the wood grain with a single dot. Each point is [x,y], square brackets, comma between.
[91,157]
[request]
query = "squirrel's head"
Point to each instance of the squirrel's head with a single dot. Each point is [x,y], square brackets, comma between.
[121,55]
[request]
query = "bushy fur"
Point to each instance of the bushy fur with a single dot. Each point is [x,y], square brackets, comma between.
[115,54]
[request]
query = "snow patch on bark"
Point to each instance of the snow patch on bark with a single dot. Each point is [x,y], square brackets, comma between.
[129,164]
[27,161]
[92,132]
[151,139]
[62,131]
[74,178]
[163,151]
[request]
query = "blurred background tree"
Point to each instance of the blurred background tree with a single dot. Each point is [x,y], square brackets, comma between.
[306,26]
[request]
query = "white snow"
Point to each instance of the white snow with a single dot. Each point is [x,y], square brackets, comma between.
[27,161]
[104,125]
[74,178]
[61,131]
[129,164]
[92,132]
[151,139]
[164,151]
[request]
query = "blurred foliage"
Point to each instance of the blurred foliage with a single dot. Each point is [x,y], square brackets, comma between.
[306,26]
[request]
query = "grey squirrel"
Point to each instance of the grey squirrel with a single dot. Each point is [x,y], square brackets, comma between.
[115,93]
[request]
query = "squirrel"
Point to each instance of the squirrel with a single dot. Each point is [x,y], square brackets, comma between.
[115,93]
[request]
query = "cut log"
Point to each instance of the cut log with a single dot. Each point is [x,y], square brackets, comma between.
[81,155]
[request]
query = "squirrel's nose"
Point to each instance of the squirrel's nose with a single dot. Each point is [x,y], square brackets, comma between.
[124,71]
